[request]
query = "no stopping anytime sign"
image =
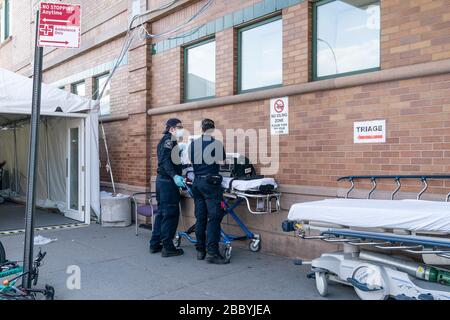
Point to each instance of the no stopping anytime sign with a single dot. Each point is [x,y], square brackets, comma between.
[59,25]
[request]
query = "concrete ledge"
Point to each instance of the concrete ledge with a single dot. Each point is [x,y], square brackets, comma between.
[114,118]
[123,188]
[395,74]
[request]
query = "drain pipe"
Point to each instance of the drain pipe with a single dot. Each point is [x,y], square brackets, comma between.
[16,172]
[47,164]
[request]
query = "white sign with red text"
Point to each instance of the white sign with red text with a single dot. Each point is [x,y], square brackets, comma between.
[370,132]
[279,116]
[59,25]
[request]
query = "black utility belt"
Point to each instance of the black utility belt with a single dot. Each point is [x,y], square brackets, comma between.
[213,179]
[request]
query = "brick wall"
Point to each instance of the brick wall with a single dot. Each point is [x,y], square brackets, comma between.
[297,35]
[414,31]
[319,147]
[226,58]
[165,78]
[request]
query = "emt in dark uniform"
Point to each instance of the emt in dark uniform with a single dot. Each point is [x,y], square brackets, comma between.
[206,154]
[168,183]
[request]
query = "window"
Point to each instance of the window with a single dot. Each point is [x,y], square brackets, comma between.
[346,37]
[200,71]
[261,55]
[79,88]
[5,20]
[99,83]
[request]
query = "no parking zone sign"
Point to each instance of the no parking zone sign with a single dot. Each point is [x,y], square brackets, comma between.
[59,25]
[279,116]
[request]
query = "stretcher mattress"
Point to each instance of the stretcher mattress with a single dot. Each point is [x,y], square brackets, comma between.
[412,215]
[247,185]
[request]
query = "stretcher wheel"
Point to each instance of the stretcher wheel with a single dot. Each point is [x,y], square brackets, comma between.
[177,241]
[373,275]
[227,252]
[322,283]
[2,254]
[255,245]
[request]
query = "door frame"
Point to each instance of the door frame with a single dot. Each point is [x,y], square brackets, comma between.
[80,214]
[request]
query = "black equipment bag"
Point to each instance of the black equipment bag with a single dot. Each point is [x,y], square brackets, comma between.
[239,168]
[215,180]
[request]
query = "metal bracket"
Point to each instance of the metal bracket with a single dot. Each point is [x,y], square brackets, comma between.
[374,183]
[399,186]
[425,188]
[351,189]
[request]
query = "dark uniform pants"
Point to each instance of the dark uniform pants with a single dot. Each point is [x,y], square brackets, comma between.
[209,214]
[166,222]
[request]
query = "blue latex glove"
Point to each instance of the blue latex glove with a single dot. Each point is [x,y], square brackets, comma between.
[179,181]
[182,146]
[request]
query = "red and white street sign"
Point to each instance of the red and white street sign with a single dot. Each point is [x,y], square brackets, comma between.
[279,105]
[59,25]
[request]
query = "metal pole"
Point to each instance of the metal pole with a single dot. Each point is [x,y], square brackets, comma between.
[47,161]
[32,161]
[108,161]
[16,162]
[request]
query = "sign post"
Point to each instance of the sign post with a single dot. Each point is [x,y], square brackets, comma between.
[32,161]
[57,25]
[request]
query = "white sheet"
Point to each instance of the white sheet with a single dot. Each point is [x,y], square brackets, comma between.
[245,185]
[412,215]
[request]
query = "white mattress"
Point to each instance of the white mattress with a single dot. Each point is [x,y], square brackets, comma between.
[246,185]
[412,215]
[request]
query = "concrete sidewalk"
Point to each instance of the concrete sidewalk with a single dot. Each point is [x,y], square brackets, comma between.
[115,264]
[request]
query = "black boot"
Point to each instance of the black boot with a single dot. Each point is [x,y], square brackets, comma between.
[156,248]
[201,254]
[216,258]
[173,252]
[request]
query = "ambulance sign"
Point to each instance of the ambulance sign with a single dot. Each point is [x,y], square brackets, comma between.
[370,132]
[279,116]
[59,25]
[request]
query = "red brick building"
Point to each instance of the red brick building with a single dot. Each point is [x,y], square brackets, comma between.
[339,62]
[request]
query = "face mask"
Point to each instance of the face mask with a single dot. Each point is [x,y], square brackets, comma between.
[179,133]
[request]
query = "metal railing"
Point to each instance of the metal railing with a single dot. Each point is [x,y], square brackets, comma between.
[398,180]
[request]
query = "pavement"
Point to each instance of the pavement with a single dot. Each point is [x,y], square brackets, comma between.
[13,214]
[115,264]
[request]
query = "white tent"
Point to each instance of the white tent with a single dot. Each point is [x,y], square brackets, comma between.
[68,167]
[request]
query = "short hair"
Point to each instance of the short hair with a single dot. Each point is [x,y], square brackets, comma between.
[208,124]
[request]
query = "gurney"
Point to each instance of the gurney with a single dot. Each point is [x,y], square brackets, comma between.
[263,191]
[391,249]
[260,196]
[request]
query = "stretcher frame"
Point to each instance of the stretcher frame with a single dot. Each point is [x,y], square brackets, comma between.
[231,200]
[354,240]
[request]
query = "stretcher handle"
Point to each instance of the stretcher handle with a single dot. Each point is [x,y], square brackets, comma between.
[423,178]
[374,183]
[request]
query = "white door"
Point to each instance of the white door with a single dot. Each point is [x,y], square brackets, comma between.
[75,170]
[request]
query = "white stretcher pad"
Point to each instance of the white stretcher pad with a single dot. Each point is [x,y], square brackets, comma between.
[247,185]
[412,215]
